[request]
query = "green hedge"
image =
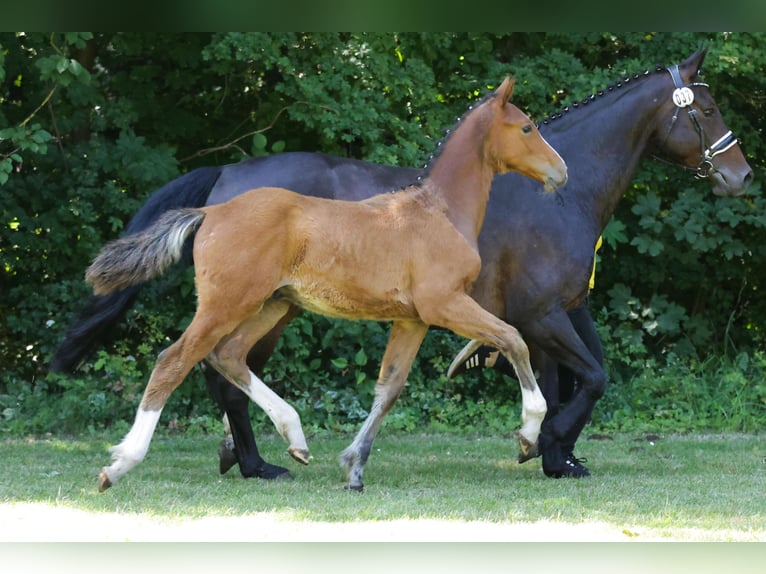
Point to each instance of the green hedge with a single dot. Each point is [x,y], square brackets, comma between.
[91,124]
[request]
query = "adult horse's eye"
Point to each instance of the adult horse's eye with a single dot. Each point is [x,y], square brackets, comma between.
[526,129]
[709,112]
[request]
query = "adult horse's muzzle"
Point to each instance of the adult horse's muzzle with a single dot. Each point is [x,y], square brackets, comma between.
[730,183]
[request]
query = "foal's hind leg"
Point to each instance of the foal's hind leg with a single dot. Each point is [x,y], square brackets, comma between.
[229,358]
[172,366]
[403,344]
[239,445]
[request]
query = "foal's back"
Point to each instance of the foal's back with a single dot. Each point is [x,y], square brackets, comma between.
[355,260]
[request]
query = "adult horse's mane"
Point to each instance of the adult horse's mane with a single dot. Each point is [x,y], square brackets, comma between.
[629,80]
[615,87]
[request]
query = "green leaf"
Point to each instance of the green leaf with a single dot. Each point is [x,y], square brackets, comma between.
[259,142]
[615,232]
[340,362]
[648,245]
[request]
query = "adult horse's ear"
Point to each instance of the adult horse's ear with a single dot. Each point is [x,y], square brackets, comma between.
[506,89]
[693,63]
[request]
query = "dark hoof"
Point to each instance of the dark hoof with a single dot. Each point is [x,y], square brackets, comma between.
[226,457]
[568,472]
[269,472]
[553,459]
[354,488]
[568,466]
[103,481]
[300,454]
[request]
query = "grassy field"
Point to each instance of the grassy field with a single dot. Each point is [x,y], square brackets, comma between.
[418,488]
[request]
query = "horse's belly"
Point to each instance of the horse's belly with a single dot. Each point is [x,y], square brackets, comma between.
[346,302]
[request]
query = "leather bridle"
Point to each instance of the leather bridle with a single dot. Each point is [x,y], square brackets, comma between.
[683,97]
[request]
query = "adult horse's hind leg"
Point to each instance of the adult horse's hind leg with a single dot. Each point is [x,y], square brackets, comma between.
[403,344]
[229,358]
[239,445]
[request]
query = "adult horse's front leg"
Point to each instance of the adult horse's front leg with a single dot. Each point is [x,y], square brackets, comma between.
[558,337]
[403,344]
[239,446]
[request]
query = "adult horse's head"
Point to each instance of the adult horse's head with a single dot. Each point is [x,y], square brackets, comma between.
[515,144]
[695,134]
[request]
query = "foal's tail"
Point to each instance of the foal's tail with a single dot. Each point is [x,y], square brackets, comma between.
[88,330]
[137,258]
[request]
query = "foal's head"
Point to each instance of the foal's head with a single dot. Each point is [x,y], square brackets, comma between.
[514,144]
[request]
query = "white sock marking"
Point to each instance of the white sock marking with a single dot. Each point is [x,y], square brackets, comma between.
[134,446]
[285,418]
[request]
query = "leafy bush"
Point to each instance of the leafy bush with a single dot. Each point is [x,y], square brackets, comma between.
[92,123]
[714,394]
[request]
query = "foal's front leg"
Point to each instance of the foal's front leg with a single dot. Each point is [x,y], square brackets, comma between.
[403,344]
[464,316]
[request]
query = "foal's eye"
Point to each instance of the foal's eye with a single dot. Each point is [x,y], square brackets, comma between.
[526,129]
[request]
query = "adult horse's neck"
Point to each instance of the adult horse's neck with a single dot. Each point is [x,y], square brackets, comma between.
[462,176]
[604,140]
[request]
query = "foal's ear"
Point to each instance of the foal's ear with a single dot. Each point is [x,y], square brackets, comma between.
[505,91]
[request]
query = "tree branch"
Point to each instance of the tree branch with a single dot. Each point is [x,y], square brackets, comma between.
[233,143]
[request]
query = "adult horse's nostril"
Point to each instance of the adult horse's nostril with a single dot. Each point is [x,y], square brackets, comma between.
[748,179]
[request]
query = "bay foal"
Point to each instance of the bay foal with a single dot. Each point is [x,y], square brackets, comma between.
[409,257]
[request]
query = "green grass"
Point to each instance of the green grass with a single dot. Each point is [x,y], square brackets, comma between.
[675,488]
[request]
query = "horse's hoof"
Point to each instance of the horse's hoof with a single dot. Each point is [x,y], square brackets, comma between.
[281,476]
[571,468]
[269,472]
[354,487]
[226,458]
[555,463]
[300,454]
[529,450]
[103,481]
[524,458]
[568,471]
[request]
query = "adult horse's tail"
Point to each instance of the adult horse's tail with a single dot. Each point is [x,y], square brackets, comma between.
[101,312]
[138,258]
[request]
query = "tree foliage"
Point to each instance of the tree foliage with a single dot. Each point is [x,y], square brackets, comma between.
[92,123]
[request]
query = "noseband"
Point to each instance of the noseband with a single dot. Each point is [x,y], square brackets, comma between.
[683,97]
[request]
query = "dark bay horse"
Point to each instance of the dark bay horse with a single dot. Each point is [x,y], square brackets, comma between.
[537,254]
[409,257]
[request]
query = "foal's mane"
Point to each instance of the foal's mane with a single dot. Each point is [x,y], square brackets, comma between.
[434,157]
